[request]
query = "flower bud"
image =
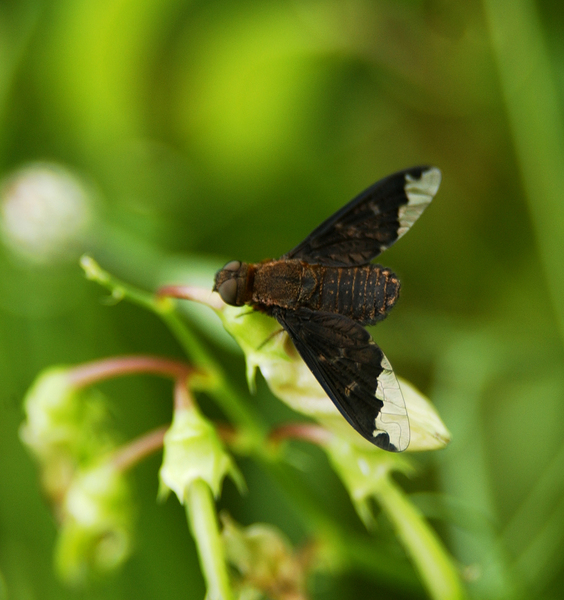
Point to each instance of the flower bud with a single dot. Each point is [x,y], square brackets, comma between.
[193,450]
[264,559]
[63,427]
[65,431]
[96,521]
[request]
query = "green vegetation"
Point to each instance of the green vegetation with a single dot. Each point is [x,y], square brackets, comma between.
[163,138]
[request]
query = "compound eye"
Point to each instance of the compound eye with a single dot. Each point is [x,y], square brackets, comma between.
[228,291]
[233,265]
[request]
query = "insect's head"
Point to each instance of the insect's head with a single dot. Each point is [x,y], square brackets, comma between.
[231,283]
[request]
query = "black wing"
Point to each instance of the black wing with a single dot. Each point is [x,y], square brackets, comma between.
[353,371]
[371,222]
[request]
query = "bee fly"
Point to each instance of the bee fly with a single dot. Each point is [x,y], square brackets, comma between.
[325,290]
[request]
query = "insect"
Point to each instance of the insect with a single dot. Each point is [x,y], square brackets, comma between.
[325,290]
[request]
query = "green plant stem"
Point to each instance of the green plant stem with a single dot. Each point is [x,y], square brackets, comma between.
[199,500]
[165,309]
[229,401]
[202,518]
[426,550]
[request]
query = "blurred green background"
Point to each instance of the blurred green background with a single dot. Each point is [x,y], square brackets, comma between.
[189,133]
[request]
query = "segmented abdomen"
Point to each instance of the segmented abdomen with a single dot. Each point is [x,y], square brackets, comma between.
[364,294]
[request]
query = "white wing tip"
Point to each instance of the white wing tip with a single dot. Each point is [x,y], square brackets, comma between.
[426,185]
[431,180]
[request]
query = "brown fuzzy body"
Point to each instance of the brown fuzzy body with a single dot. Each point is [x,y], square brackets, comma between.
[364,294]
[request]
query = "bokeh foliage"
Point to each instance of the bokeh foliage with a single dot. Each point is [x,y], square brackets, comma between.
[204,131]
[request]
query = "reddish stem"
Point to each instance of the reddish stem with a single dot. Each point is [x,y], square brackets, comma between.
[189,292]
[134,451]
[182,396]
[92,372]
[301,431]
